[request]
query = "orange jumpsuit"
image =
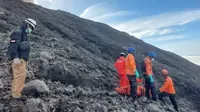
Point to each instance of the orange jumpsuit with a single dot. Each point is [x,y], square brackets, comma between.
[121,70]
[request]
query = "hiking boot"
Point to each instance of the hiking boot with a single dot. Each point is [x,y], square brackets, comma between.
[15,102]
[23,98]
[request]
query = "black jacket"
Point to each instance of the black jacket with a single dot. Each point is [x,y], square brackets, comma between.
[19,45]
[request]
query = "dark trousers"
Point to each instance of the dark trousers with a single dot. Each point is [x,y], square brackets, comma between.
[171,97]
[133,84]
[150,87]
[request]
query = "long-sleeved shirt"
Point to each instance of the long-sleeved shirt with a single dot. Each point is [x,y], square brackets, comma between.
[168,86]
[148,66]
[130,64]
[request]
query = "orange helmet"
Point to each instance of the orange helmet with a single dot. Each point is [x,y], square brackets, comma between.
[164,72]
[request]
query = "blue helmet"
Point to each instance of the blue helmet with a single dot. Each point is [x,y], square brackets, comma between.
[131,49]
[152,54]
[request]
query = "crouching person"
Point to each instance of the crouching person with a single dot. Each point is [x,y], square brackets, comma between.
[167,90]
[123,88]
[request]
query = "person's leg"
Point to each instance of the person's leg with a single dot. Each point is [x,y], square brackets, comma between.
[161,95]
[19,72]
[126,85]
[129,78]
[132,86]
[123,81]
[147,87]
[153,92]
[173,101]
[120,80]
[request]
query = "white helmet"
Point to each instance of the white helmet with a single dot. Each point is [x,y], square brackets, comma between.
[122,54]
[31,22]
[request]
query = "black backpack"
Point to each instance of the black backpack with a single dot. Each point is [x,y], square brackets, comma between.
[143,68]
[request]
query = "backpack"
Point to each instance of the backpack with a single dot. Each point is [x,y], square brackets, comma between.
[143,68]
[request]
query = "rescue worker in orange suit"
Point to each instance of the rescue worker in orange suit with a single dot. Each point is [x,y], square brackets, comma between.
[121,70]
[18,54]
[167,90]
[131,71]
[149,79]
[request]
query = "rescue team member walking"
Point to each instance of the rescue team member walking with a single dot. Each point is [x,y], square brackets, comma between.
[121,70]
[18,54]
[167,90]
[131,71]
[148,73]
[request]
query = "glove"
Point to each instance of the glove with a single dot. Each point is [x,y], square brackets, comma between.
[151,78]
[16,61]
[137,74]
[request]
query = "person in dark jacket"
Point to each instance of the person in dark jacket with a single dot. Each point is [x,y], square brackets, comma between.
[18,54]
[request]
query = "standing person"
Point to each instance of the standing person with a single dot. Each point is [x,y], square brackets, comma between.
[18,54]
[131,72]
[121,70]
[148,74]
[167,90]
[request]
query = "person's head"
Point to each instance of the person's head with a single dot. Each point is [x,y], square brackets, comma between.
[28,25]
[152,55]
[131,50]
[122,54]
[164,73]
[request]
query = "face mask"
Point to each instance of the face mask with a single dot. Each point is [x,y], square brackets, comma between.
[152,59]
[28,30]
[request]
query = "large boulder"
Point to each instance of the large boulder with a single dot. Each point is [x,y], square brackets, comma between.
[35,105]
[35,87]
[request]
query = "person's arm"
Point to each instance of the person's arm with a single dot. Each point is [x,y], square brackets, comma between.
[14,44]
[165,85]
[148,67]
[149,71]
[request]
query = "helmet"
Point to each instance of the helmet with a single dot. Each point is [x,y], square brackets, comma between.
[164,72]
[122,54]
[31,22]
[131,49]
[152,54]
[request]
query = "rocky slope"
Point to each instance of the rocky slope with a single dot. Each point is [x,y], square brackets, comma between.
[74,57]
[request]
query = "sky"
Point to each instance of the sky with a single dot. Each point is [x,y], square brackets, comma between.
[172,25]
